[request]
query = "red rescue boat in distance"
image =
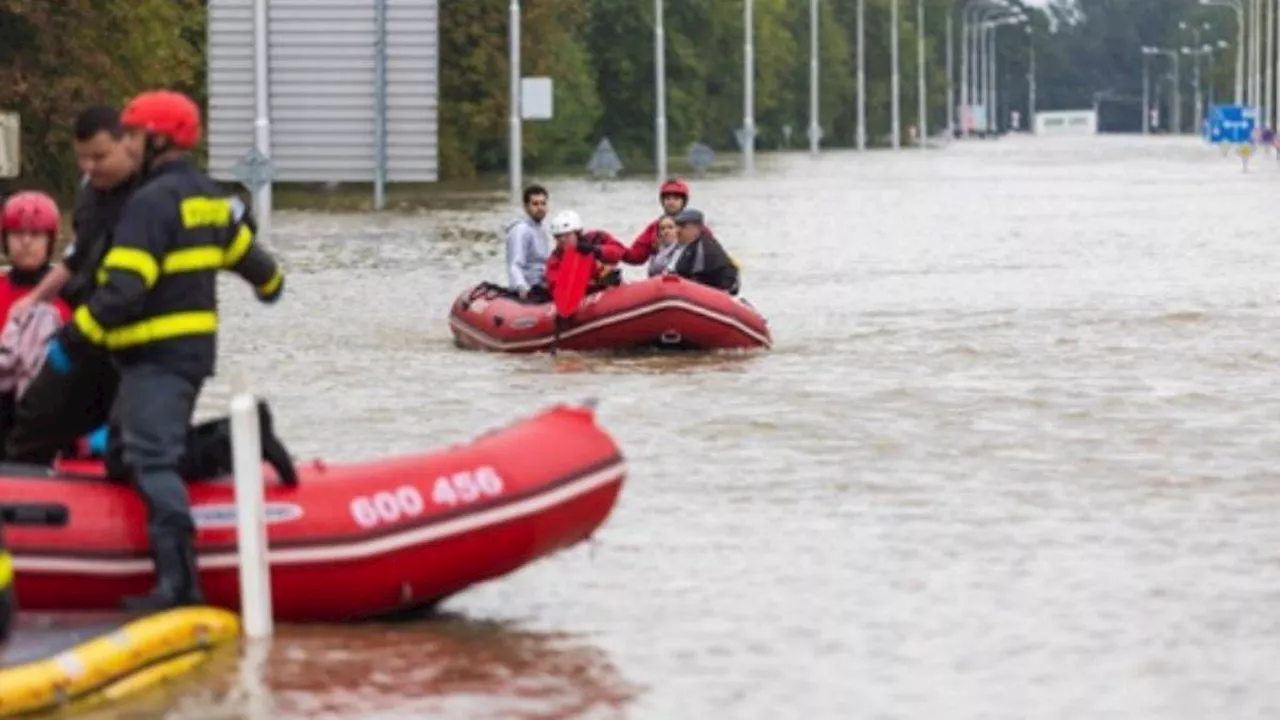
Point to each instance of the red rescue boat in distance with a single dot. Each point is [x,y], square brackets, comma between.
[665,312]
[349,542]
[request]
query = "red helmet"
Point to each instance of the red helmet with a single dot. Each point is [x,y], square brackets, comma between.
[30,211]
[167,113]
[674,186]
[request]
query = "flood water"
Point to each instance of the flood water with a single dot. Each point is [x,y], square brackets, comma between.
[1011,457]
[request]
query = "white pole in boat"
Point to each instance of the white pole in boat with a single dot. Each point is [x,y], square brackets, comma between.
[251,537]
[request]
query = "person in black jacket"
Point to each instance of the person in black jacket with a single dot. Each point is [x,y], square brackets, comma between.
[155,312]
[702,258]
[58,409]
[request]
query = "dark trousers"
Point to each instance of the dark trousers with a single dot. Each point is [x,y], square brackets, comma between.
[153,412]
[56,409]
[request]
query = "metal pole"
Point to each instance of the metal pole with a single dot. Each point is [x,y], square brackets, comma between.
[964,69]
[979,75]
[1146,95]
[262,110]
[951,85]
[515,151]
[1177,97]
[895,84]
[1031,82]
[1256,56]
[993,117]
[1199,105]
[748,90]
[380,104]
[660,101]
[922,104]
[1213,84]
[813,78]
[1269,61]
[862,75]
[1239,54]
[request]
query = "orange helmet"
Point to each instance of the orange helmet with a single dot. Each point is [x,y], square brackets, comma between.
[167,113]
[674,186]
[31,212]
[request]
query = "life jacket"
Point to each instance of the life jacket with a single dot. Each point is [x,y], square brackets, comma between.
[23,344]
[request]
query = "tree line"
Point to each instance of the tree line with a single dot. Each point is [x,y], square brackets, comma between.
[56,57]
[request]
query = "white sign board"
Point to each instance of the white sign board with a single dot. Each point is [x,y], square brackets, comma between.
[10,145]
[535,98]
[1067,122]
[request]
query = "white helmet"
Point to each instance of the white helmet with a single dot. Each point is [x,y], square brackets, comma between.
[566,221]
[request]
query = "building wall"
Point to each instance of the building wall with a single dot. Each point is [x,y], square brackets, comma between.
[322,95]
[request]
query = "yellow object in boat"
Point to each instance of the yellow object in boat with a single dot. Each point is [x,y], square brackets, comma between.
[135,656]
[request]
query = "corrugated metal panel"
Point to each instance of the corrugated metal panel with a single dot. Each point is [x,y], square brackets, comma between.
[322,89]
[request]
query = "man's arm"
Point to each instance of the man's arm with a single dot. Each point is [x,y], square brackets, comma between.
[516,257]
[49,285]
[128,271]
[247,258]
[642,247]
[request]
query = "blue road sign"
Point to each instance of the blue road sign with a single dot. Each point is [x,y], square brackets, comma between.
[1232,123]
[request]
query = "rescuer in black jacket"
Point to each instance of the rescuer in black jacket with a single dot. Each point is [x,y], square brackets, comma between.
[155,312]
[57,409]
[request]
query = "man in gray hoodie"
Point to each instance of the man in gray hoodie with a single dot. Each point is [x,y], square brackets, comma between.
[528,247]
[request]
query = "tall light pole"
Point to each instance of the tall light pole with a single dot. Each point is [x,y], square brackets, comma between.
[922,106]
[660,90]
[1146,92]
[1177,92]
[951,87]
[895,80]
[515,153]
[862,75]
[1269,62]
[993,26]
[748,88]
[1195,81]
[262,201]
[1031,78]
[1240,43]
[814,126]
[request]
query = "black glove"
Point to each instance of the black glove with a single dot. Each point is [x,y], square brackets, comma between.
[587,248]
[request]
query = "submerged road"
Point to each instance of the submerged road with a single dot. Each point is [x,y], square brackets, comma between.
[1013,455]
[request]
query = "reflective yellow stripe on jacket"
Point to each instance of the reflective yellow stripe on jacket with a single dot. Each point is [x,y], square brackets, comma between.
[6,570]
[196,212]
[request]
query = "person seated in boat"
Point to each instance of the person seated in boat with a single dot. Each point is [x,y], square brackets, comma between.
[674,196]
[666,249]
[701,257]
[29,224]
[605,251]
[528,248]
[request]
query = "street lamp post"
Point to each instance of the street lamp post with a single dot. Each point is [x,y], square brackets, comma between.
[1240,43]
[813,78]
[748,89]
[922,100]
[1031,78]
[895,79]
[1146,93]
[1176,118]
[862,75]
[660,90]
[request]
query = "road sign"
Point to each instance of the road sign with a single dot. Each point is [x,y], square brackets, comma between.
[604,161]
[1233,123]
[10,145]
[814,129]
[255,170]
[786,135]
[740,135]
[701,156]
[536,98]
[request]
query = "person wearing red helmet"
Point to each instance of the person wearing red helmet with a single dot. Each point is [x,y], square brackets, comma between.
[155,312]
[674,196]
[28,231]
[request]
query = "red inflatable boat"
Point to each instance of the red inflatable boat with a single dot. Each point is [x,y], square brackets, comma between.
[349,542]
[663,312]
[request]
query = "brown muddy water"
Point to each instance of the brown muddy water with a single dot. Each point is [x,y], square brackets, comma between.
[1013,455]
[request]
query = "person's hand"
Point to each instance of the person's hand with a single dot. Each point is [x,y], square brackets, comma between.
[22,306]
